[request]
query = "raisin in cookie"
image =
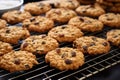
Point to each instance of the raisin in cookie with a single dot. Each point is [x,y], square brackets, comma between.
[90,10]
[13,34]
[113,36]
[65,33]
[17,61]
[3,23]
[38,24]
[14,17]
[60,15]
[70,4]
[65,58]
[111,19]
[92,45]
[37,8]
[86,23]
[5,48]
[40,44]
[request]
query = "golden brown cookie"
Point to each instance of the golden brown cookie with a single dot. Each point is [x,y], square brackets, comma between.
[113,36]
[40,44]
[5,48]
[65,58]
[17,61]
[111,19]
[90,10]
[65,33]
[92,45]
[13,34]
[15,16]
[60,15]
[37,8]
[70,4]
[38,24]
[86,24]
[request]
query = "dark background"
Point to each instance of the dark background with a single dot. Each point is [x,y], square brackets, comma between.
[112,73]
[25,1]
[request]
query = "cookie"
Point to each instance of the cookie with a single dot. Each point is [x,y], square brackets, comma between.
[13,34]
[86,24]
[86,1]
[38,24]
[110,19]
[65,33]
[92,45]
[65,58]
[15,16]
[70,4]
[3,23]
[113,36]
[17,61]
[5,48]
[40,44]
[90,10]
[60,15]
[37,8]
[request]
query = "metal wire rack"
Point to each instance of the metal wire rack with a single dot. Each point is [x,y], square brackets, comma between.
[93,65]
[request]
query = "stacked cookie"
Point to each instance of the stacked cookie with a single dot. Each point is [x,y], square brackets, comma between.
[110,5]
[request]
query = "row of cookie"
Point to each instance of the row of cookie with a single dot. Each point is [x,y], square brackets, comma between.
[68,57]
[61,15]
[13,17]
[93,10]
[63,33]
[43,24]
[42,44]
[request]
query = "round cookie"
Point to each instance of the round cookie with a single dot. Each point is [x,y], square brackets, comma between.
[86,24]
[17,61]
[60,15]
[15,16]
[65,58]
[110,19]
[90,10]
[38,24]
[5,48]
[65,33]
[37,8]
[13,34]
[40,44]
[3,23]
[70,4]
[113,36]
[92,45]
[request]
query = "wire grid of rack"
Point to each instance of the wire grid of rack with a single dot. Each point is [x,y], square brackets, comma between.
[93,65]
